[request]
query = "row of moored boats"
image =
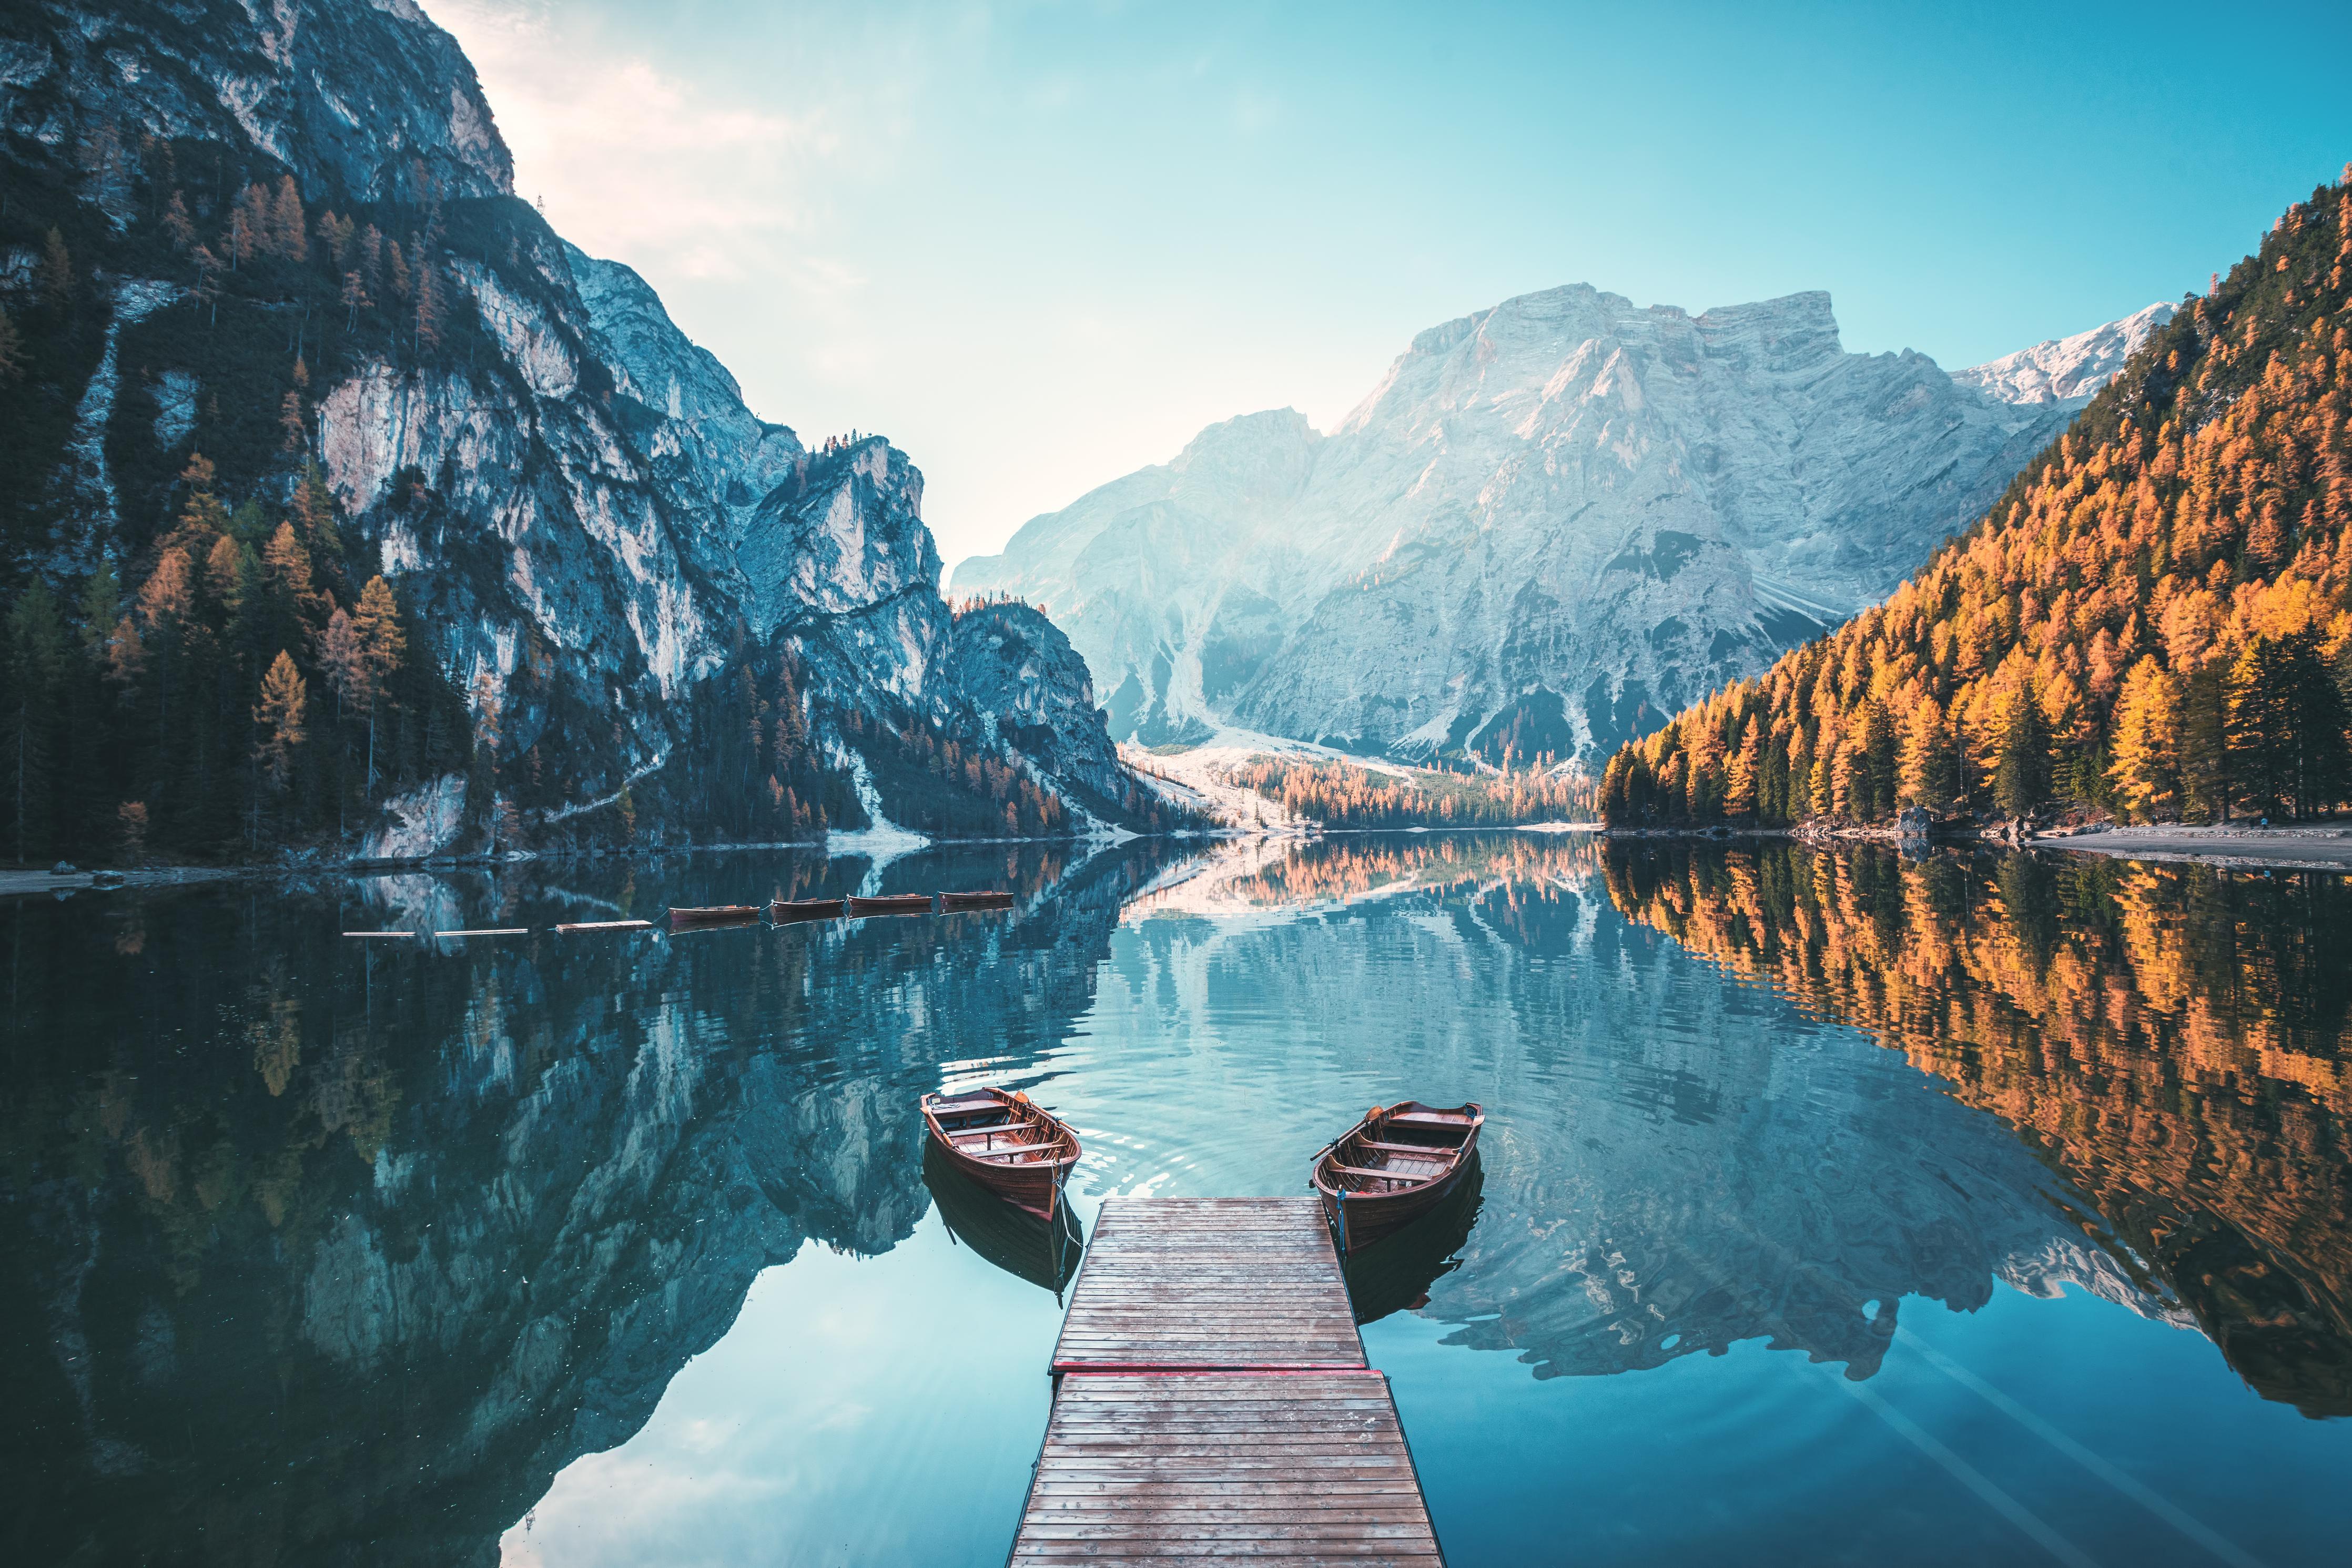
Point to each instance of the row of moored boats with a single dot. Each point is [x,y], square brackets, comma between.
[786,911]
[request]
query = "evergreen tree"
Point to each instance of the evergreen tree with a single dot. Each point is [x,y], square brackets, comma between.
[56,271]
[279,718]
[2286,724]
[34,672]
[1878,772]
[428,304]
[2208,788]
[178,228]
[13,358]
[2145,766]
[2020,779]
[289,232]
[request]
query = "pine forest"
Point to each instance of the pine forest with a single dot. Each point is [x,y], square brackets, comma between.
[2153,624]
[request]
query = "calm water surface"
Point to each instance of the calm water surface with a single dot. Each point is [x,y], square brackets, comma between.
[1835,1208]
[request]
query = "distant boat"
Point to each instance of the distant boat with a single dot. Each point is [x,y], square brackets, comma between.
[1394,1274]
[1005,1142]
[896,904]
[716,915]
[1046,1253]
[951,902]
[786,909]
[1393,1167]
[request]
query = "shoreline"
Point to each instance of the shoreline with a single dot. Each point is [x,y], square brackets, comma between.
[2300,848]
[25,882]
[2292,848]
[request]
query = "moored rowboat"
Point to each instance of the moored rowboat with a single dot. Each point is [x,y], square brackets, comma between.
[896,904]
[1393,1167]
[784,909]
[716,915]
[1046,1253]
[951,902]
[1005,1142]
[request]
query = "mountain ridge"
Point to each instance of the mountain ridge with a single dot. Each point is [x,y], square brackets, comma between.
[1421,581]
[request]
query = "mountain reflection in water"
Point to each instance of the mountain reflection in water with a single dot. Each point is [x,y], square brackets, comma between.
[319,1253]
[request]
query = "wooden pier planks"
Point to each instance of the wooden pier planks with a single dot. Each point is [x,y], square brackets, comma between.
[1307,1468]
[1212,1401]
[1207,1283]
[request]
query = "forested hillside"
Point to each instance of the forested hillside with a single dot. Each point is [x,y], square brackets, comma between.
[2155,620]
[1339,795]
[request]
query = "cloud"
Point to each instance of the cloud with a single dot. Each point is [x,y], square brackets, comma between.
[635,164]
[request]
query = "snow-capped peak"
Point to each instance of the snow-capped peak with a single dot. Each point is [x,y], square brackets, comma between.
[2061,368]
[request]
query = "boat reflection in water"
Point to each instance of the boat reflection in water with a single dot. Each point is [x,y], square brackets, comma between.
[1043,1251]
[1394,1274]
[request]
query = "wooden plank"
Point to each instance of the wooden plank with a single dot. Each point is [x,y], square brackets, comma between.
[1179,1466]
[1212,1401]
[1209,1284]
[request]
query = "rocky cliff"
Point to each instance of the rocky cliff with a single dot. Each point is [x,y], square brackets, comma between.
[1551,523]
[613,557]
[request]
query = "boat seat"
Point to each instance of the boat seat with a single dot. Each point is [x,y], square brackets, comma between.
[1427,1119]
[1008,1152]
[1384,1176]
[982,1138]
[1431,1150]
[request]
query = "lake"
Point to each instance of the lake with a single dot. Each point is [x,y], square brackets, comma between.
[1834,1206]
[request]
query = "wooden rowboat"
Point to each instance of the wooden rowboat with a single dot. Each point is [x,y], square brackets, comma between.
[896,904]
[1005,1142]
[1046,1253]
[784,909]
[716,915]
[1393,1167]
[1395,1273]
[951,902]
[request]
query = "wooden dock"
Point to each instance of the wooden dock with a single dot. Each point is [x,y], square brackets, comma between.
[1211,1400]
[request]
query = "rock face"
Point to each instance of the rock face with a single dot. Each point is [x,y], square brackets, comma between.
[1018,669]
[2061,368]
[367,100]
[1552,524]
[595,531]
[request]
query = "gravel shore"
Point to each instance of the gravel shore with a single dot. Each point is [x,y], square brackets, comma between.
[2320,847]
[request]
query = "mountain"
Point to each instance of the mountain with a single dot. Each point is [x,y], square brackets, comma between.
[2057,369]
[613,602]
[1552,524]
[2143,624]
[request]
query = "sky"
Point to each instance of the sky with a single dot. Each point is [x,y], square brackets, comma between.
[1040,246]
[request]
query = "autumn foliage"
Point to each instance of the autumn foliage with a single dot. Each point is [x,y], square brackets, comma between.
[1343,795]
[2155,620]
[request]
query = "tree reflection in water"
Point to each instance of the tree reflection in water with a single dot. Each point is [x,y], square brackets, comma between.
[2171,1039]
